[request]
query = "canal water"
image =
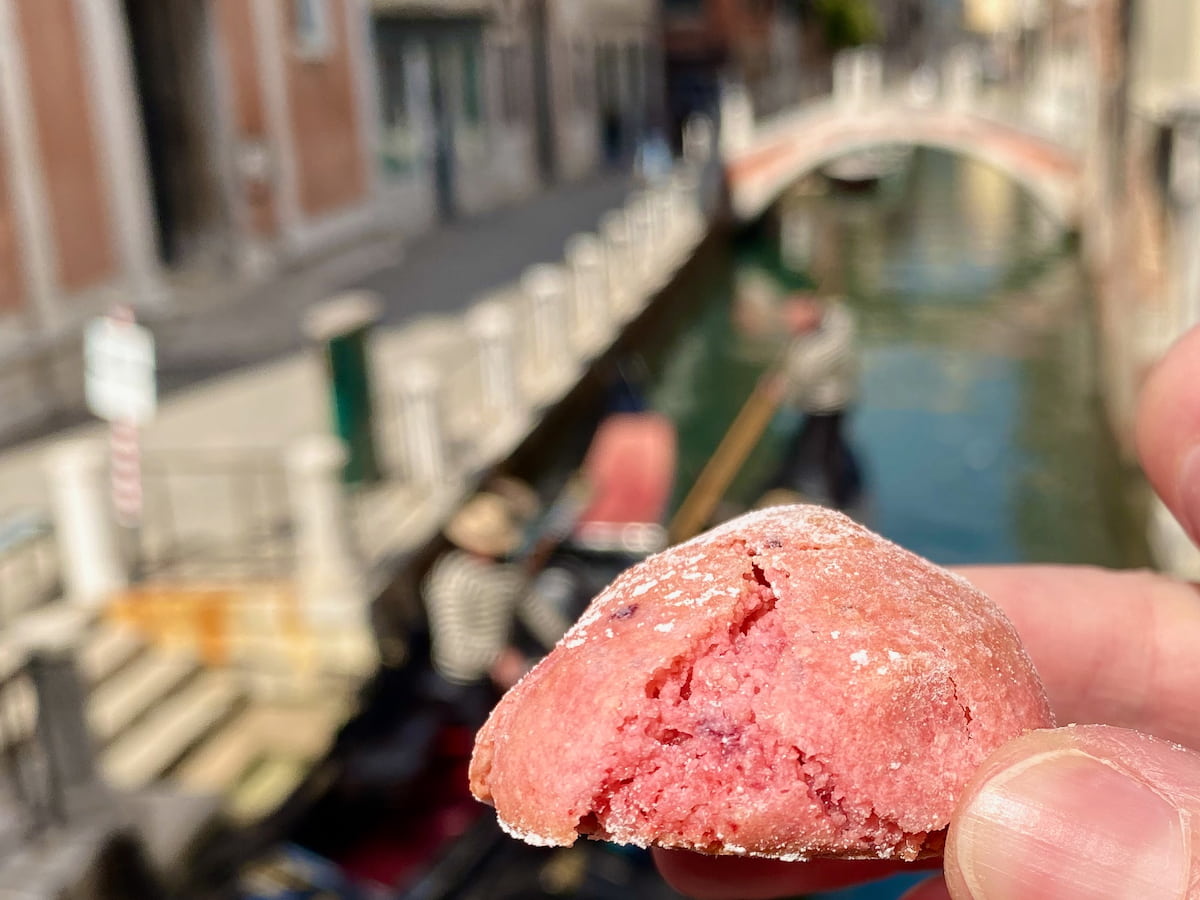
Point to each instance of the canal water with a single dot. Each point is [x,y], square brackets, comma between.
[978,426]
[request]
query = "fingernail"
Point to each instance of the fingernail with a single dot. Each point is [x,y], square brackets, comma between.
[1068,825]
[1189,492]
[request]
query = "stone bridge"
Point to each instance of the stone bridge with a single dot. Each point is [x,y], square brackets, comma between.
[762,157]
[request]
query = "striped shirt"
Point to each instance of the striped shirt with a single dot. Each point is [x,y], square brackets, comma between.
[822,369]
[472,603]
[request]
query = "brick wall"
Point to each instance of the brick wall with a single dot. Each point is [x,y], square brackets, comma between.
[67,143]
[322,101]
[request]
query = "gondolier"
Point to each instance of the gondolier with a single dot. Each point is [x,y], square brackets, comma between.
[820,380]
[474,596]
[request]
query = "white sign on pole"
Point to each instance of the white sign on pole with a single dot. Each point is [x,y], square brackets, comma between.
[119,381]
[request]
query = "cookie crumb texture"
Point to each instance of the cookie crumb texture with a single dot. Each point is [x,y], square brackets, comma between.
[786,685]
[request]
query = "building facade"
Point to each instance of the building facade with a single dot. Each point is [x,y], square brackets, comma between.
[151,150]
[484,101]
[145,140]
[708,40]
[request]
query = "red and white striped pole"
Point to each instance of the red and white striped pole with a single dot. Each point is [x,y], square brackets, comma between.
[125,466]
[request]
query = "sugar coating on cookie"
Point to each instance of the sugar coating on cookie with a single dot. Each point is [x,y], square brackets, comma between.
[786,685]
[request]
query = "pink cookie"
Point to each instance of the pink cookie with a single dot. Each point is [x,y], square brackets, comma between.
[787,685]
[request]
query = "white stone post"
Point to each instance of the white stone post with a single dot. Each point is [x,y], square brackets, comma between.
[328,568]
[329,571]
[872,72]
[676,214]
[662,214]
[963,76]
[643,239]
[844,84]
[545,289]
[623,290]
[689,220]
[697,141]
[857,77]
[737,120]
[422,432]
[341,314]
[89,545]
[659,200]
[921,88]
[589,284]
[490,324]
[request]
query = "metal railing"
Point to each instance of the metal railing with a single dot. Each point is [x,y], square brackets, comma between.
[214,514]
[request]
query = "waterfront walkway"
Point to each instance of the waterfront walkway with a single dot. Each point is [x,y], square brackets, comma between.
[234,374]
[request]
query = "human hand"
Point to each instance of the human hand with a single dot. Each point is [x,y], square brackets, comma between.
[775,387]
[509,668]
[1101,810]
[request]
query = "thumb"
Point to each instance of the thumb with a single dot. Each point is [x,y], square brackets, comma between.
[1084,811]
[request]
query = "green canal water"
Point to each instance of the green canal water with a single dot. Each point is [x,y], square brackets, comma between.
[979,425]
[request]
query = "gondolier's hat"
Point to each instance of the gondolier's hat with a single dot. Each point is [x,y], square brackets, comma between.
[522,500]
[485,524]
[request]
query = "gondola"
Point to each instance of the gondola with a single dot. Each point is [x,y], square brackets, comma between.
[396,820]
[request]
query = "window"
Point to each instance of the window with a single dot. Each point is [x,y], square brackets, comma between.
[312,28]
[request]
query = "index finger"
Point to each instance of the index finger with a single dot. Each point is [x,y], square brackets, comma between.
[1168,430]
[1116,648]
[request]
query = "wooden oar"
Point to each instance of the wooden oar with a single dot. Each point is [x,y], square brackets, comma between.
[714,480]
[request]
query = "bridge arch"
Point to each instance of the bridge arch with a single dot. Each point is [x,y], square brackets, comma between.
[761,163]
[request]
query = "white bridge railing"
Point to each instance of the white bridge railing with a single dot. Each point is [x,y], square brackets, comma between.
[1050,102]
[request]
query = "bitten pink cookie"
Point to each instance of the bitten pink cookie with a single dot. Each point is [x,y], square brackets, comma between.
[787,685]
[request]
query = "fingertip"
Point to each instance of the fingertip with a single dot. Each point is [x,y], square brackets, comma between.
[1077,812]
[1167,429]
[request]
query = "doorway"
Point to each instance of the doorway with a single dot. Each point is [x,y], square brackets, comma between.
[170,44]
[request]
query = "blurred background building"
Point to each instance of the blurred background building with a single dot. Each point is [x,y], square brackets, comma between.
[154,152]
[484,102]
